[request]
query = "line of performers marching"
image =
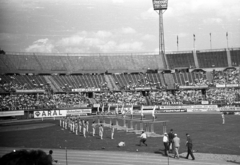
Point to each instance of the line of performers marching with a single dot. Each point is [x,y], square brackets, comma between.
[77,125]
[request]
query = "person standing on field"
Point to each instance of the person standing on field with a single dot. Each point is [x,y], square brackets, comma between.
[143,138]
[101,131]
[93,128]
[223,118]
[87,125]
[84,129]
[112,131]
[166,143]
[176,145]
[189,147]
[170,138]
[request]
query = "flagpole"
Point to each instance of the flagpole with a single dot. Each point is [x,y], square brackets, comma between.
[177,43]
[194,42]
[227,39]
[210,41]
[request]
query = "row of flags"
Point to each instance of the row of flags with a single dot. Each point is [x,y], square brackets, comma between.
[194,36]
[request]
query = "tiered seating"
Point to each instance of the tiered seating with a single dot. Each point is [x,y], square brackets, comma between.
[235,57]
[68,82]
[212,59]
[22,82]
[180,60]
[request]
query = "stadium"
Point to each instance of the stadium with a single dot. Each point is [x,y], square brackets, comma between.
[55,101]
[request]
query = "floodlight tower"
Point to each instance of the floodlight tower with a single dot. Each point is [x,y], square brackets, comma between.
[161,6]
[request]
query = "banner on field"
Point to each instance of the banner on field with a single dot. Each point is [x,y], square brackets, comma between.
[30,91]
[86,90]
[78,111]
[203,110]
[194,87]
[50,113]
[205,102]
[145,88]
[230,108]
[172,103]
[96,105]
[11,113]
[172,110]
[226,85]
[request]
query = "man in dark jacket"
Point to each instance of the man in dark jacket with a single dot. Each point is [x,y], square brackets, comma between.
[189,147]
[170,138]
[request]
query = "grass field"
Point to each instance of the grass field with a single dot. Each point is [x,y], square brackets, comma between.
[206,130]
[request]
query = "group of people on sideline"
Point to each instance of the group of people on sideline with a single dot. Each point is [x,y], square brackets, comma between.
[77,125]
[171,143]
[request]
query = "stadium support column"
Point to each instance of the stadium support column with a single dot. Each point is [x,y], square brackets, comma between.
[195,59]
[161,40]
[229,60]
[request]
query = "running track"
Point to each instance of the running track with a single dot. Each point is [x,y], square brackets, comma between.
[76,157]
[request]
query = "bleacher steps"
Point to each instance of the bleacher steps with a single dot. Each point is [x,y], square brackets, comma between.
[52,83]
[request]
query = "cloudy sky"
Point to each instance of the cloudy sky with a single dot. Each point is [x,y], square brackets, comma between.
[114,26]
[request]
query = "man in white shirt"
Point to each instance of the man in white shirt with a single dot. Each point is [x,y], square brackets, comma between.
[143,138]
[223,118]
[165,143]
[176,144]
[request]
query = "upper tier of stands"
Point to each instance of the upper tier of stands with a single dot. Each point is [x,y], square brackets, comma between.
[115,63]
[181,59]
[59,63]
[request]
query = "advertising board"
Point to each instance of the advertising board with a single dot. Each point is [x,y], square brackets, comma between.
[11,113]
[50,113]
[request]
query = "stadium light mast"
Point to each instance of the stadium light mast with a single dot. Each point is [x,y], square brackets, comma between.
[161,6]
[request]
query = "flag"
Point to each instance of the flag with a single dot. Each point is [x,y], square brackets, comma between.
[103,108]
[227,34]
[194,37]
[131,110]
[142,110]
[116,110]
[122,111]
[177,39]
[153,112]
[109,108]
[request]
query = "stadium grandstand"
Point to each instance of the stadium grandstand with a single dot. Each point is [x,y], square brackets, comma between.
[45,81]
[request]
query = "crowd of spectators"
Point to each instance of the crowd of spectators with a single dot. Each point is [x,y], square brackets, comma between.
[176,97]
[13,85]
[135,98]
[41,101]
[222,95]
[228,76]
[160,96]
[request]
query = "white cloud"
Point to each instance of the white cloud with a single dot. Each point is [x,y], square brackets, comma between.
[41,45]
[117,1]
[131,46]
[128,30]
[93,42]
[148,37]
[149,14]
[220,8]
[104,34]
[212,20]
[183,34]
